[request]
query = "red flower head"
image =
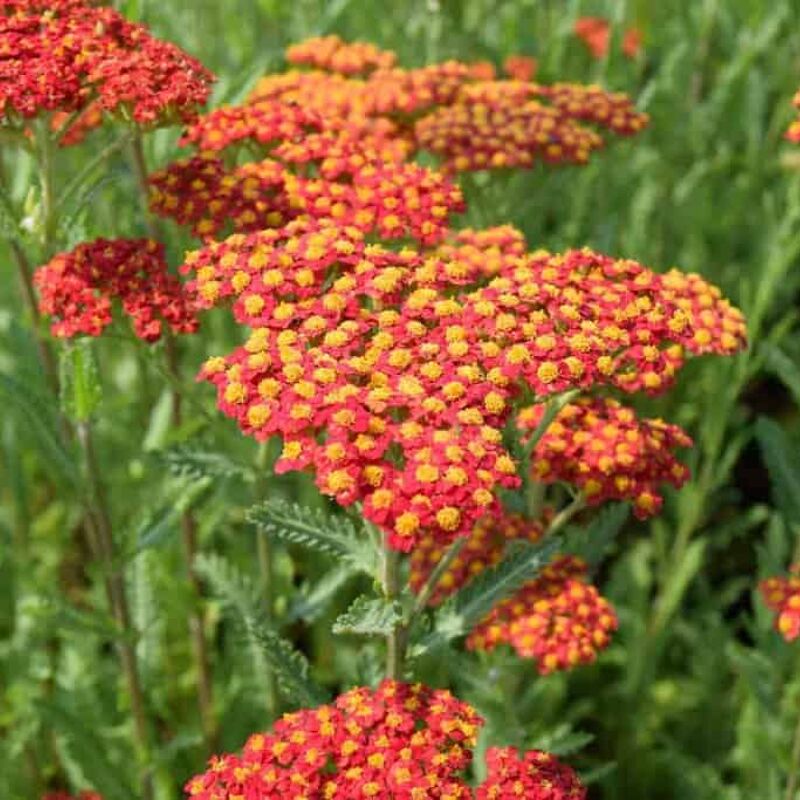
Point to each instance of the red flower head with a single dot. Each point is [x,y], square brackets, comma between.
[399,741]
[76,289]
[334,55]
[793,134]
[557,619]
[66,55]
[520,68]
[782,595]
[601,447]
[595,33]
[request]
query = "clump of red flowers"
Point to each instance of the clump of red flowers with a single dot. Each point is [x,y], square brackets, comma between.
[397,741]
[77,288]
[595,33]
[782,595]
[559,620]
[70,55]
[600,446]
[335,55]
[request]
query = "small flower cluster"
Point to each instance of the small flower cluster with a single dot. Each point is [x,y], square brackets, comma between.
[595,33]
[600,446]
[201,193]
[403,741]
[483,548]
[335,55]
[557,619]
[76,289]
[533,775]
[65,55]
[782,595]
[793,134]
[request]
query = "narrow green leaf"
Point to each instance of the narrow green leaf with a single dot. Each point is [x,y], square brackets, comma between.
[192,461]
[783,463]
[783,368]
[592,543]
[81,391]
[369,616]
[470,605]
[40,414]
[311,605]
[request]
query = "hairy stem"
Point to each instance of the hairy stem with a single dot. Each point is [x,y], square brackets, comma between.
[103,543]
[450,555]
[140,172]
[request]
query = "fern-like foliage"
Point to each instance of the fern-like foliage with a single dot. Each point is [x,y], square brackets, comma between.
[289,666]
[592,543]
[190,461]
[370,616]
[331,534]
[470,605]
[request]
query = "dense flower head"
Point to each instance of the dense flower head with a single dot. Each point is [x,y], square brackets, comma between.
[483,548]
[201,193]
[76,289]
[396,201]
[392,373]
[266,122]
[595,33]
[514,123]
[397,742]
[532,775]
[604,449]
[781,594]
[335,55]
[65,56]
[559,620]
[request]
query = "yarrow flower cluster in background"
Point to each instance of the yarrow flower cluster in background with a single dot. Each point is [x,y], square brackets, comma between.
[397,741]
[595,33]
[73,55]
[77,288]
[782,595]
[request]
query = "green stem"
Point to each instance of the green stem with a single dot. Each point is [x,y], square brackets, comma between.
[265,567]
[433,579]
[794,765]
[140,171]
[197,635]
[102,541]
[397,638]
[48,218]
[565,515]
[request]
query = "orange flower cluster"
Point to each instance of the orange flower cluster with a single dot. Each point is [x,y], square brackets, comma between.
[782,595]
[63,55]
[403,741]
[595,33]
[496,124]
[483,548]
[392,374]
[334,55]
[77,289]
[600,446]
[520,68]
[557,619]
[202,194]
[793,134]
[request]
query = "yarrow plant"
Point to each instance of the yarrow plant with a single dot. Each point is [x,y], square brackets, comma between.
[456,392]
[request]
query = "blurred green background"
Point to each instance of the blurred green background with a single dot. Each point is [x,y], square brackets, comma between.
[697,698]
